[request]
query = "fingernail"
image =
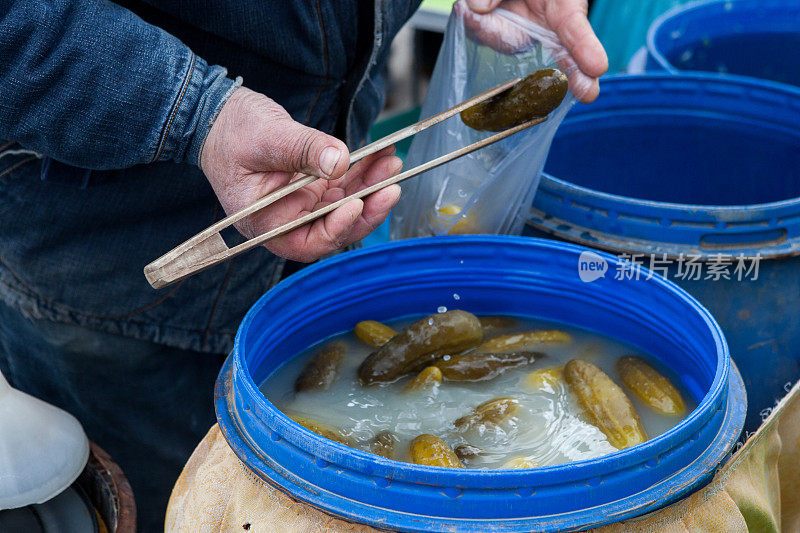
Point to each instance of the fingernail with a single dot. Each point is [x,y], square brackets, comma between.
[328,159]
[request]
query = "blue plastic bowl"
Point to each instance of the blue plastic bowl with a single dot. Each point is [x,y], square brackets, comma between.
[489,275]
[757,38]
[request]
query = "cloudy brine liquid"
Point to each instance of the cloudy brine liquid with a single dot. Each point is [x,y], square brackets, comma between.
[549,427]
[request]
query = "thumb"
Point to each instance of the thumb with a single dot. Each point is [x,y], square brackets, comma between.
[482,6]
[312,152]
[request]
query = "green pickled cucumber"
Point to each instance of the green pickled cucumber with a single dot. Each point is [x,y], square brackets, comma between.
[651,387]
[320,371]
[490,413]
[519,341]
[428,378]
[430,450]
[476,366]
[373,333]
[384,444]
[495,324]
[323,430]
[420,344]
[534,96]
[605,404]
[467,451]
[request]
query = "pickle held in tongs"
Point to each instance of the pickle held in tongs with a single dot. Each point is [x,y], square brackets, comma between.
[534,96]
[604,404]
[420,344]
[320,371]
[430,450]
[651,387]
[476,366]
[373,333]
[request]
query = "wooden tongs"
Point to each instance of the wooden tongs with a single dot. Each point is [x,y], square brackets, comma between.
[208,248]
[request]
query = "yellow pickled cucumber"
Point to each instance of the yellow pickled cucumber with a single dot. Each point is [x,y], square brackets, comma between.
[384,444]
[520,461]
[545,378]
[320,371]
[651,387]
[426,379]
[519,341]
[476,366]
[323,430]
[421,343]
[373,333]
[490,413]
[430,450]
[604,404]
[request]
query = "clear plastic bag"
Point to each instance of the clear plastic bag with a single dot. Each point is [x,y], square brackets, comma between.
[490,190]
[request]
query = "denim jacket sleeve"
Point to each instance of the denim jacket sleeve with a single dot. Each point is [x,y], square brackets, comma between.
[90,84]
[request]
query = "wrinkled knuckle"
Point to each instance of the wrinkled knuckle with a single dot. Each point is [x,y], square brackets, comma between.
[302,146]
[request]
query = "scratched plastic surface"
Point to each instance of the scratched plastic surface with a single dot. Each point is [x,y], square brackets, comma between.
[548,428]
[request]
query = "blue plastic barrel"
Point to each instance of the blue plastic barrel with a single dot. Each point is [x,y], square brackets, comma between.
[513,275]
[758,38]
[703,166]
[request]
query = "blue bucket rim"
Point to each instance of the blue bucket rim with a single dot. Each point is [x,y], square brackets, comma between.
[691,8]
[585,467]
[242,444]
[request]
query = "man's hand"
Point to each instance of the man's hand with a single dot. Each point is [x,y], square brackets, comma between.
[254,147]
[566,18]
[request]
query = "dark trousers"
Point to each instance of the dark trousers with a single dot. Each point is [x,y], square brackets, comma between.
[146,404]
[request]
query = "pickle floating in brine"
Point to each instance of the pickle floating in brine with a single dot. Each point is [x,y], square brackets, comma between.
[428,378]
[467,451]
[373,333]
[651,387]
[430,450]
[320,371]
[519,341]
[384,444]
[604,404]
[476,366]
[323,430]
[420,344]
[546,378]
[495,324]
[490,413]
[536,95]
[520,461]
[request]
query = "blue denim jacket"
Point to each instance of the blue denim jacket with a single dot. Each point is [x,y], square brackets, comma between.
[105,108]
